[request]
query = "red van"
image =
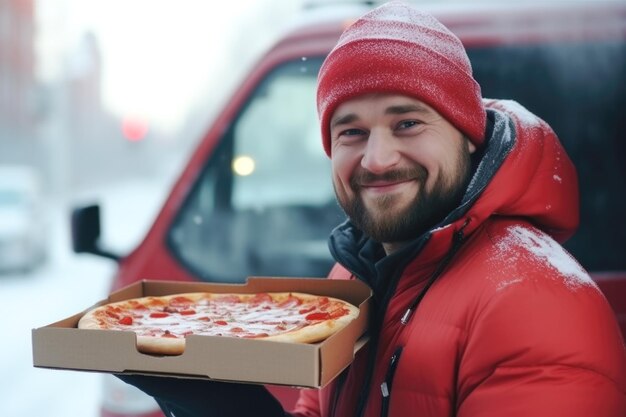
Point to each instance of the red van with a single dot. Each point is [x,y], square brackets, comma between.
[255,198]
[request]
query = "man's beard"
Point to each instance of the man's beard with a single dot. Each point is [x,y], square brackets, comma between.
[427,209]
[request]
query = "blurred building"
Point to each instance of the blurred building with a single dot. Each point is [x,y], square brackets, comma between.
[18,98]
[52,115]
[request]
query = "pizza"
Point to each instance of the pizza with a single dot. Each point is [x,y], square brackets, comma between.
[162,322]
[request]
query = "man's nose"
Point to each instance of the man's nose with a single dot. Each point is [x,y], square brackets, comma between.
[380,152]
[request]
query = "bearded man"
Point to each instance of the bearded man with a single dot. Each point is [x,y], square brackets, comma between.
[456,209]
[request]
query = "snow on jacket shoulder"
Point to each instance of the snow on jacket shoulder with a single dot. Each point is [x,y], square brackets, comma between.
[540,339]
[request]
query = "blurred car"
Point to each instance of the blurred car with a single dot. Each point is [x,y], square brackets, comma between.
[23,234]
[256,197]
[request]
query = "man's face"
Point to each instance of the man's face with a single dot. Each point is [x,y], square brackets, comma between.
[398,167]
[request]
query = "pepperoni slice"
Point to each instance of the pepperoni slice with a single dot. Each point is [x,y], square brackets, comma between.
[320,315]
[112,314]
[306,310]
[261,298]
[290,301]
[180,301]
[188,312]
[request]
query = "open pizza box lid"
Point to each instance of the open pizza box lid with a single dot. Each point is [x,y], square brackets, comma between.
[61,345]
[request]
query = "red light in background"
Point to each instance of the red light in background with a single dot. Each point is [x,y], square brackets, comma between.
[134,130]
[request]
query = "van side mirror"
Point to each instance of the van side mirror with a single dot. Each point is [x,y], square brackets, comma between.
[85,231]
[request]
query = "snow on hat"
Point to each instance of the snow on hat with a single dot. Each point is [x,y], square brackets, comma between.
[397,49]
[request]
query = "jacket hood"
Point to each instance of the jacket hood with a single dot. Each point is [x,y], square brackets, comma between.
[523,171]
[537,180]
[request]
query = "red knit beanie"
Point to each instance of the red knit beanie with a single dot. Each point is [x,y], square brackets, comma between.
[397,49]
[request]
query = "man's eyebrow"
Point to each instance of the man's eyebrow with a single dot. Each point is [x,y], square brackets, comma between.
[407,108]
[398,109]
[348,118]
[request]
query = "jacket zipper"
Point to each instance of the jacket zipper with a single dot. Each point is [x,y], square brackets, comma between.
[457,241]
[385,387]
[377,325]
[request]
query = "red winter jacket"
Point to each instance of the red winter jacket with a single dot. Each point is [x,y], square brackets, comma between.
[511,326]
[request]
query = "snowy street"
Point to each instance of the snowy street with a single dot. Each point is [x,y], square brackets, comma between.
[65,285]
[58,290]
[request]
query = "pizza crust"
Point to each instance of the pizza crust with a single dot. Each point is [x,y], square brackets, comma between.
[107,317]
[160,345]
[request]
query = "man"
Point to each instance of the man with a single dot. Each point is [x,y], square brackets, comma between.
[455,207]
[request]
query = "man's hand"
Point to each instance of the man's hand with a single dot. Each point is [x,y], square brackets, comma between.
[180,397]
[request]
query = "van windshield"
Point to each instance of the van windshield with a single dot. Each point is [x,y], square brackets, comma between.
[264,204]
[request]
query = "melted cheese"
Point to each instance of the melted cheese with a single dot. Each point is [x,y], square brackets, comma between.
[216,317]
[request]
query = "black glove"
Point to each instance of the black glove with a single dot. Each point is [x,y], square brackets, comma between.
[180,397]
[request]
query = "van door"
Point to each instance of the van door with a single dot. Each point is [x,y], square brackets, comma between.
[264,204]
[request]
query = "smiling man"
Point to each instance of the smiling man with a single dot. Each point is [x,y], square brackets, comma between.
[456,206]
[456,209]
[398,166]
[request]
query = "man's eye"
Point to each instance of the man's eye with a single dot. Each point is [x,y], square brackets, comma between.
[407,124]
[349,136]
[352,135]
[351,132]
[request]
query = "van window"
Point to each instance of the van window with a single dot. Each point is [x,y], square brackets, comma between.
[264,204]
[277,159]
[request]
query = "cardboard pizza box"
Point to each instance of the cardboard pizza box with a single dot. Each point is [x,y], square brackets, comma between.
[61,345]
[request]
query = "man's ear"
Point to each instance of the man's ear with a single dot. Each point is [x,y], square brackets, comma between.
[470,145]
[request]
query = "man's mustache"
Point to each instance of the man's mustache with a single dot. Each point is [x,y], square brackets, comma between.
[363,177]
